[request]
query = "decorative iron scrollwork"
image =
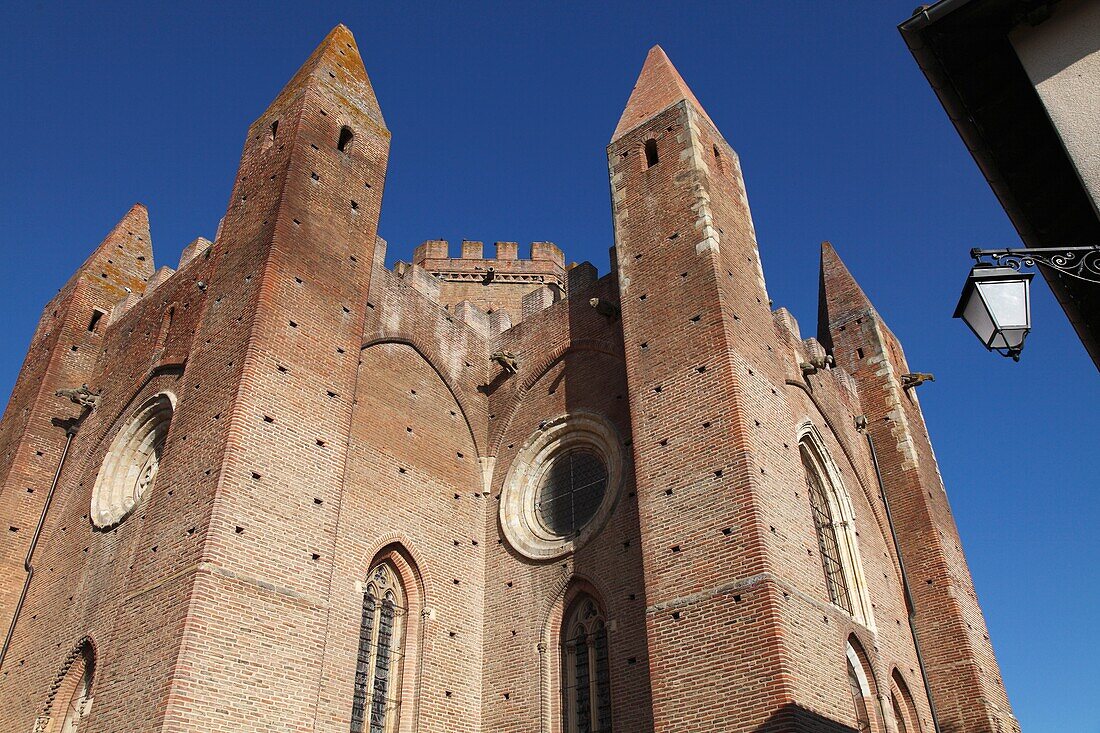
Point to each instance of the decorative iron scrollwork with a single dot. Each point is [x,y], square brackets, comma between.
[1082,263]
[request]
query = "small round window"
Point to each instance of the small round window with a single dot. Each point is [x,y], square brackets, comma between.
[562,486]
[131,464]
[570,491]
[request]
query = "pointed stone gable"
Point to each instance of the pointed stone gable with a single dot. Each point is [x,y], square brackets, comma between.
[659,86]
[124,259]
[336,62]
[840,298]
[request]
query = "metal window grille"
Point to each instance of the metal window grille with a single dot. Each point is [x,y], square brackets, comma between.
[603,681]
[571,491]
[362,666]
[582,715]
[828,546]
[382,669]
[375,703]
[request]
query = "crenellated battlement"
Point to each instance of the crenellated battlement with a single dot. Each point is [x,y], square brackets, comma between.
[545,258]
[493,284]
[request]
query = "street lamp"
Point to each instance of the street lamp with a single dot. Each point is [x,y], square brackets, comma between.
[996,304]
[996,299]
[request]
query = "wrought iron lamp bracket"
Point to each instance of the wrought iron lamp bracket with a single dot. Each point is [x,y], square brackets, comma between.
[1082,263]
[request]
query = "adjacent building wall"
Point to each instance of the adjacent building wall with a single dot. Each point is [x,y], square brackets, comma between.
[1062,58]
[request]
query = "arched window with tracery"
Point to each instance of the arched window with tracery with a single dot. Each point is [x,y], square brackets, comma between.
[377,698]
[862,694]
[586,680]
[834,524]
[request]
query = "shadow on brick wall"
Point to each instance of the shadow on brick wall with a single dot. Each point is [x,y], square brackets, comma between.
[791,717]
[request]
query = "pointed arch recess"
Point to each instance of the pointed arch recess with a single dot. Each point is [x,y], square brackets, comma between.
[431,357]
[859,664]
[903,706]
[73,685]
[871,497]
[565,592]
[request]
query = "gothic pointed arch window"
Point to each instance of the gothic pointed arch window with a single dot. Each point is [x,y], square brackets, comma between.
[72,701]
[586,678]
[902,705]
[834,525]
[862,695]
[377,696]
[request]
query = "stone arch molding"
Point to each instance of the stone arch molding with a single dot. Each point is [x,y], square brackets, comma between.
[70,696]
[130,467]
[844,521]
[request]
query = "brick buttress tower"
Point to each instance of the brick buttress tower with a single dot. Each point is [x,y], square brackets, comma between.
[62,356]
[962,671]
[698,333]
[291,270]
[773,591]
[252,348]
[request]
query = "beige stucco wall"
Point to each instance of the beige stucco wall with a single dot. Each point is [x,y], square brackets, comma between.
[1062,58]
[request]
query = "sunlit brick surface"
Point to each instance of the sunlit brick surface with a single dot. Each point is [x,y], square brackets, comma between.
[331,413]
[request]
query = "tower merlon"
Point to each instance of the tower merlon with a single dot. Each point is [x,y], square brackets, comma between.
[472,250]
[161,276]
[193,250]
[546,260]
[547,251]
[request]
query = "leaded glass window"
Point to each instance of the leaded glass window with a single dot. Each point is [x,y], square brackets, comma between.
[828,546]
[571,491]
[586,681]
[376,700]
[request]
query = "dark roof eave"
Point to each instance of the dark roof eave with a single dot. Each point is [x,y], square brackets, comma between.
[913,31]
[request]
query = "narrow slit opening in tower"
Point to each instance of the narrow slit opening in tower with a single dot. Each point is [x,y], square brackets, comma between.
[346,136]
[93,324]
[274,129]
[651,157]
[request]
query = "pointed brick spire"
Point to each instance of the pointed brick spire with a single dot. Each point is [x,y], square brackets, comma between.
[336,61]
[840,298]
[659,86]
[124,259]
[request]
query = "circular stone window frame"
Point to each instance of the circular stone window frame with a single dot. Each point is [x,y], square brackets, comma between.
[116,492]
[518,518]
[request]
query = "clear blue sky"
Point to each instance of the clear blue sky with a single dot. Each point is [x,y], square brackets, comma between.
[500,116]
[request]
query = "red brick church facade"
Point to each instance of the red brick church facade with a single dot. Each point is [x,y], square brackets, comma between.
[304,492]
